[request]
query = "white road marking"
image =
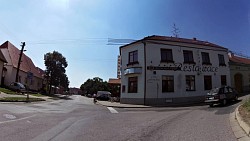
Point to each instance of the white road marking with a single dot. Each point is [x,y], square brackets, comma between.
[17,119]
[112,110]
[9,116]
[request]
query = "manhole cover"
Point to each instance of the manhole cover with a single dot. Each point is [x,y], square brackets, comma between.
[8,116]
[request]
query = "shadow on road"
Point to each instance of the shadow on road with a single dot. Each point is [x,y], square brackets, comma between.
[224,109]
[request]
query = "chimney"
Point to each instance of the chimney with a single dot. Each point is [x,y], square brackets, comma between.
[194,39]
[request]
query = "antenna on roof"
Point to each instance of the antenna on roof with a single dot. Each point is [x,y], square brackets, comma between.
[175,31]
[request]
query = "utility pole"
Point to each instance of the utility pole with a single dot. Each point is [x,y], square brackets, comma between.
[19,61]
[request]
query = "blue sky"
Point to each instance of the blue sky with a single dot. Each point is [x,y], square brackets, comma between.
[79,29]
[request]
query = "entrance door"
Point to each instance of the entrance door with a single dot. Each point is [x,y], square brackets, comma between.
[238,82]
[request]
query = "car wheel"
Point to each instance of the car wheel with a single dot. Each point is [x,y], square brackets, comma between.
[224,102]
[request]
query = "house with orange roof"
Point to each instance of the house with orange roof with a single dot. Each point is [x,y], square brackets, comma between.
[240,72]
[29,74]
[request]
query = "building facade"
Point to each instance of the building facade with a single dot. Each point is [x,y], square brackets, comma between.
[29,74]
[159,70]
[240,73]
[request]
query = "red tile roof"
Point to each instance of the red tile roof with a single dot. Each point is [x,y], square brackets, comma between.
[237,59]
[180,40]
[114,81]
[26,62]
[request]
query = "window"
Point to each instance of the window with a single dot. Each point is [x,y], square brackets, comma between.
[205,58]
[132,85]
[133,57]
[190,83]
[188,56]
[223,79]
[167,83]
[207,82]
[123,88]
[166,55]
[221,60]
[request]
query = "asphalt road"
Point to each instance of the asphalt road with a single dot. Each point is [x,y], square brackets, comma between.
[78,119]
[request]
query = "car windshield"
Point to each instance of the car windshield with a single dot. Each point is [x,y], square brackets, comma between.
[214,91]
[21,85]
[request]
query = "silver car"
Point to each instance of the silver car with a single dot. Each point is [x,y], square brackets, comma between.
[18,87]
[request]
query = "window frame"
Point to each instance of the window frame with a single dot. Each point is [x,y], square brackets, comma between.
[189,80]
[208,85]
[188,57]
[221,60]
[168,83]
[205,58]
[133,84]
[222,80]
[133,57]
[167,55]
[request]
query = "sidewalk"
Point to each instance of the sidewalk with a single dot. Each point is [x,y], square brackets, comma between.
[119,105]
[240,128]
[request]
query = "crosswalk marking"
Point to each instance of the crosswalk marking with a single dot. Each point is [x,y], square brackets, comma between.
[112,110]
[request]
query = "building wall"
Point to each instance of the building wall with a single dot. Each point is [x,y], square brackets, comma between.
[244,71]
[154,95]
[11,77]
[1,69]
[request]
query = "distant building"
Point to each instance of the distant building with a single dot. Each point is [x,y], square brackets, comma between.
[28,74]
[75,91]
[115,85]
[240,72]
[160,70]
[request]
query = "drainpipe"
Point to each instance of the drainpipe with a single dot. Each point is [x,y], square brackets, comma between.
[145,70]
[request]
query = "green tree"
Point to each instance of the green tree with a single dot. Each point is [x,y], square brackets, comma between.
[91,86]
[55,71]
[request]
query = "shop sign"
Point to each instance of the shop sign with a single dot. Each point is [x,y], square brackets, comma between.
[185,68]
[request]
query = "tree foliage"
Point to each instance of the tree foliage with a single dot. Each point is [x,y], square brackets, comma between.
[91,86]
[55,71]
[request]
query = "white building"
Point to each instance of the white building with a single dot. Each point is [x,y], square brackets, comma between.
[159,70]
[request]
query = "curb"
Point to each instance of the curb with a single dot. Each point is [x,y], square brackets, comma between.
[242,123]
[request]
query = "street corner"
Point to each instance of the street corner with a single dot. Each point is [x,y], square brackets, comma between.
[239,127]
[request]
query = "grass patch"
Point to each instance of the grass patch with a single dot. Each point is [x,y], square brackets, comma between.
[7,91]
[246,105]
[19,99]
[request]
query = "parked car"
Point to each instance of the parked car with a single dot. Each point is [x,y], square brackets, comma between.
[221,95]
[103,95]
[18,87]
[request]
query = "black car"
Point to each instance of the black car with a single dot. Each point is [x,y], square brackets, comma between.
[221,95]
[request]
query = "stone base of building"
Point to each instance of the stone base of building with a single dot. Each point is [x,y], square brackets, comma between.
[164,101]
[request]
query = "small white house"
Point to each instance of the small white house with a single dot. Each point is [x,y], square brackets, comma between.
[159,70]
[240,72]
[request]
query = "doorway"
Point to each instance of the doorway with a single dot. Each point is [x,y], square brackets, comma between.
[238,82]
